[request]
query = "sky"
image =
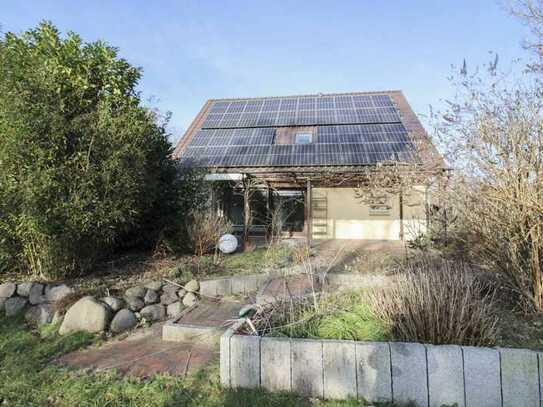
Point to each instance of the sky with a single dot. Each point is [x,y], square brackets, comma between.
[191,51]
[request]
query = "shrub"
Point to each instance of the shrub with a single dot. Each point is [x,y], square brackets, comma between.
[83,166]
[492,134]
[204,228]
[437,302]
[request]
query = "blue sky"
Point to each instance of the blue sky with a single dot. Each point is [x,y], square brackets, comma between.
[191,51]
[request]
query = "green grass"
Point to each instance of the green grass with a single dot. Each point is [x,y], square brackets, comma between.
[257,260]
[357,324]
[28,378]
[340,316]
[254,261]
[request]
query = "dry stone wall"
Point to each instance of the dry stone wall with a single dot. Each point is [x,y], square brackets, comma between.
[146,303]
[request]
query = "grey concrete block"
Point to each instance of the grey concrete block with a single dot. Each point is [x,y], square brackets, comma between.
[275,364]
[482,377]
[409,372]
[307,369]
[224,349]
[445,375]
[208,288]
[245,361]
[339,363]
[520,380]
[373,371]
[237,285]
[224,287]
[262,279]
[251,284]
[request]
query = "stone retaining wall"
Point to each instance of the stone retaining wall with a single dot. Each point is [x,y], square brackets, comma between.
[146,303]
[430,376]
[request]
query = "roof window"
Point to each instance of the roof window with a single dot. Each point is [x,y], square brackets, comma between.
[304,137]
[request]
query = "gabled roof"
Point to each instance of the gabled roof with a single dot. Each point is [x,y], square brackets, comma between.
[349,130]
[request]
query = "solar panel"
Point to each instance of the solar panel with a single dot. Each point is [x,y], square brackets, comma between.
[348,130]
[333,145]
[302,110]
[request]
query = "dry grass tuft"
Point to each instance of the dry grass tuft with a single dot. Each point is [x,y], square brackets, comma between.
[438,302]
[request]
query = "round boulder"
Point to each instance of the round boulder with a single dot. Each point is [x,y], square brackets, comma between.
[151,297]
[15,305]
[57,293]
[35,294]
[40,314]
[23,289]
[154,312]
[87,315]
[175,310]
[134,303]
[181,293]
[170,288]
[190,299]
[113,302]
[154,285]
[7,290]
[123,321]
[135,292]
[192,286]
[168,298]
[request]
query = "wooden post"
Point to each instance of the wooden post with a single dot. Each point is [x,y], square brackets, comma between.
[269,214]
[246,212]
[309,215]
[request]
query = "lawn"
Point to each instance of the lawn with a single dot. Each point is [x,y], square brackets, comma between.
[28,378]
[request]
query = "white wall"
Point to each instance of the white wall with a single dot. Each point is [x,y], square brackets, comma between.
[348,218]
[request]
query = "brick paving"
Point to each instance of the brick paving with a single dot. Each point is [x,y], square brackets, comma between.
[144,353]
[143,356]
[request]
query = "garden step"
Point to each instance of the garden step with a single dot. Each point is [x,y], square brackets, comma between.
[205,323]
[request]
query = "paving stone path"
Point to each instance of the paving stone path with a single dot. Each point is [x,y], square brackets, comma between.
[144,353]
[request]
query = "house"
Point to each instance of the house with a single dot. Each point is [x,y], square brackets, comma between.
[311,163]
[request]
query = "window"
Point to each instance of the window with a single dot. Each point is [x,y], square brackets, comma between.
[380,206]
[380,210]
[304,138]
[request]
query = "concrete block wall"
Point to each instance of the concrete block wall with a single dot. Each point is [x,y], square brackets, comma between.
[429,375]
[252,283]
[243,285]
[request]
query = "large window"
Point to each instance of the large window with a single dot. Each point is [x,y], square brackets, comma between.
[291,204]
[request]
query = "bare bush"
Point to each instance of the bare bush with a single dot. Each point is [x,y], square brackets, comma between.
[439,303]
[204,229]
[276,224]
[493,135]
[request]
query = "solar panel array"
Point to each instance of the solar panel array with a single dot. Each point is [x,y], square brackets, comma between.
[332,145]
[357,129]
[301,111]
